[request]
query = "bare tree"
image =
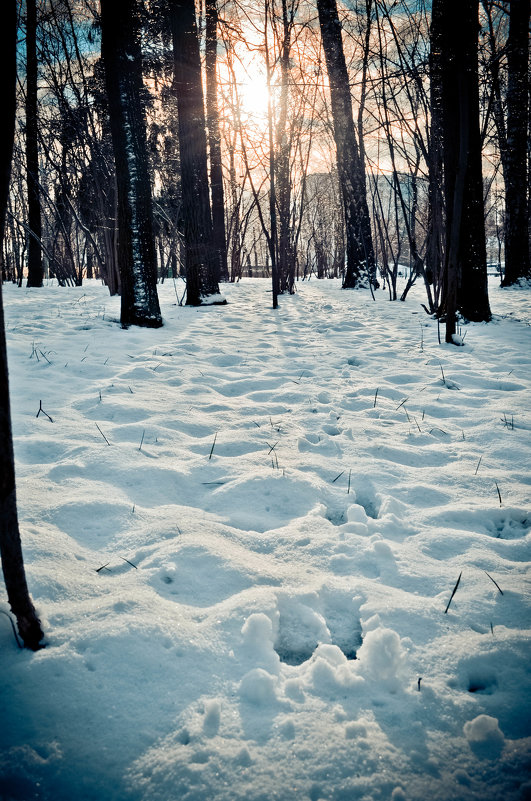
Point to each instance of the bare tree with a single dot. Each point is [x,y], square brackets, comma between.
[517,263]
[454,50]
[200,250]
[123,76]
[10,546]
[35,268]
[360,253]
[214,139]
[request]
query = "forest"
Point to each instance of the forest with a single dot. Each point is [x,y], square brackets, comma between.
[265,445]
[286,139]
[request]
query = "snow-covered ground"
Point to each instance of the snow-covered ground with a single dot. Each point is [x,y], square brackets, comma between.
[242,532]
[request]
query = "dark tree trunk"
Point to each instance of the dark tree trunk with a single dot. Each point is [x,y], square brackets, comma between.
[517,263]
[10,547]
[200,251]
[136,245]
[435,244]
[473,297]
[35,268]
[454,48]
[360,253]
[214,140]
[285,254]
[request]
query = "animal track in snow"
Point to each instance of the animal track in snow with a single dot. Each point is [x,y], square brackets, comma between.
[332,617]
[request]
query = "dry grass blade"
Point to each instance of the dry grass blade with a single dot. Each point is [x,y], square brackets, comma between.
[453,592]
[494,582]
[102,434]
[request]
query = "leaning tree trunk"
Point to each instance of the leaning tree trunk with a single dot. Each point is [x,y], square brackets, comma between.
[122,60]
[360,252]
[35,268]
[10,547]
[200,250]
[517,264]
[214,140]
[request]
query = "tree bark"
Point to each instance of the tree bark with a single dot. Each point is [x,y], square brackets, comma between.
[122,59]
[473,299]
[285,254]
[35,268]
[214,140]
[200,250]
[10,546]
[455,82]
[517,264]
[360,252]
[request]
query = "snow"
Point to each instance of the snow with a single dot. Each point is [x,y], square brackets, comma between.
[241,533]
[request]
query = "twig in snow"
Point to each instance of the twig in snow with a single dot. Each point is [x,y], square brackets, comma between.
[349,475]
[375,397]
[401,404]
[499,493]
[142,440]
[44,356]
[128,562]
[418,682]
[453,592]
[478,464]
[102,434]
[272,447]
[42,410]
[212,448]
[494,582]
[98,569]
[336,478]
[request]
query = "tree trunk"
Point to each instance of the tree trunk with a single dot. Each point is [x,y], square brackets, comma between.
[136,245]
[273,238]
[285,253]
[473,298]
[360,253]
[455,85]
[200,250]
[214,140]
[517,263]
[10,547]
[35,268]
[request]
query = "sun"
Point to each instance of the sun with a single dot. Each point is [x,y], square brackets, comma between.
[254,94]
